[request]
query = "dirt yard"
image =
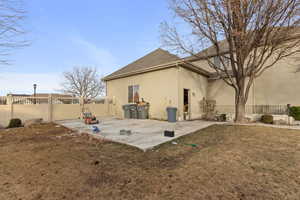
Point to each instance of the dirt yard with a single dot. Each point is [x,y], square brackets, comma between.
[229,162]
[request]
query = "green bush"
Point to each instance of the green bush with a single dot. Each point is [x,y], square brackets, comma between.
[295,112]
[15,123]
[267,119]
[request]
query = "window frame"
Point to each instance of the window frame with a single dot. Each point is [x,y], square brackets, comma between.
[132,90]
[217,61]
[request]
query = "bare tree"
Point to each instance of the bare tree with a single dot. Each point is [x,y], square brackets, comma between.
[12,15]
[250,35]
[83,82]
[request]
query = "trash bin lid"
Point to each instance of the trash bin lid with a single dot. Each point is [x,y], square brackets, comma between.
[171,108]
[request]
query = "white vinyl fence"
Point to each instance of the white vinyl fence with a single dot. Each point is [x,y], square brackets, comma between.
[255,109]
[50,108]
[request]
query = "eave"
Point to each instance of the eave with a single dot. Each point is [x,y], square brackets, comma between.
[160,67]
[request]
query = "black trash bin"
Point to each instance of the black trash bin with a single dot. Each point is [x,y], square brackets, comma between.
[172,113]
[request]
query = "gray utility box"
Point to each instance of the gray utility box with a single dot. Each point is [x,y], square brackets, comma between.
[172,114]
[143,111]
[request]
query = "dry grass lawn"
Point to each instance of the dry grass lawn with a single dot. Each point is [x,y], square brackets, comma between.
[230,162]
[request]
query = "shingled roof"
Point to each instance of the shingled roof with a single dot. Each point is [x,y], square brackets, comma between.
[155,58]
[293,33]
[209,52]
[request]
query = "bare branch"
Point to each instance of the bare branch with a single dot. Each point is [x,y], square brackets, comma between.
[83,82]
[12,15]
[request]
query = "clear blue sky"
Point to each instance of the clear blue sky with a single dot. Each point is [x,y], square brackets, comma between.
[103,34]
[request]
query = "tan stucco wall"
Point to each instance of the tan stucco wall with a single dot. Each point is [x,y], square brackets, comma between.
[99,109]
[279,85]
[23,112]
[204,65]
[26,112]
[5,114]
[220,92]
[197,84]
[50,112]
[73,111]
[159,88]
[224,94]
[66,111]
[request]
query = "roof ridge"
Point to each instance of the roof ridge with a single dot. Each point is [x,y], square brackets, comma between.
[166,51]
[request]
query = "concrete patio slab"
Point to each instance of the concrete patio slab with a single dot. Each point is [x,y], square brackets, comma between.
[146,134]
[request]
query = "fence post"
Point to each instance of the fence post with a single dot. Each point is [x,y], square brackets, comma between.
[10,102]
[50,108]
[106,101]
[81,102]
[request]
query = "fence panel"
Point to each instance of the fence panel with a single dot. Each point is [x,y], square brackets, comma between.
[270,109]
[5,115]
[65,111]
[254,109]
[28,111]
[65,100]
[49,108]
[24,100]
[98,109]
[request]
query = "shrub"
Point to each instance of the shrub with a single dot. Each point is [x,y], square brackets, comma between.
[267,119]
[15,123]
[295,112]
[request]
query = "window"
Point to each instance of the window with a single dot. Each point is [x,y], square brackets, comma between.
[133,93]
[217,61]
[226,60]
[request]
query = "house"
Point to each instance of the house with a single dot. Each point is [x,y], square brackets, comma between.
[165,80]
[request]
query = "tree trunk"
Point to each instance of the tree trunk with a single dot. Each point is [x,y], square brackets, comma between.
[240,108]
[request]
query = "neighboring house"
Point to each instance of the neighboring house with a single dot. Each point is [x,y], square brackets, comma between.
[164,80]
